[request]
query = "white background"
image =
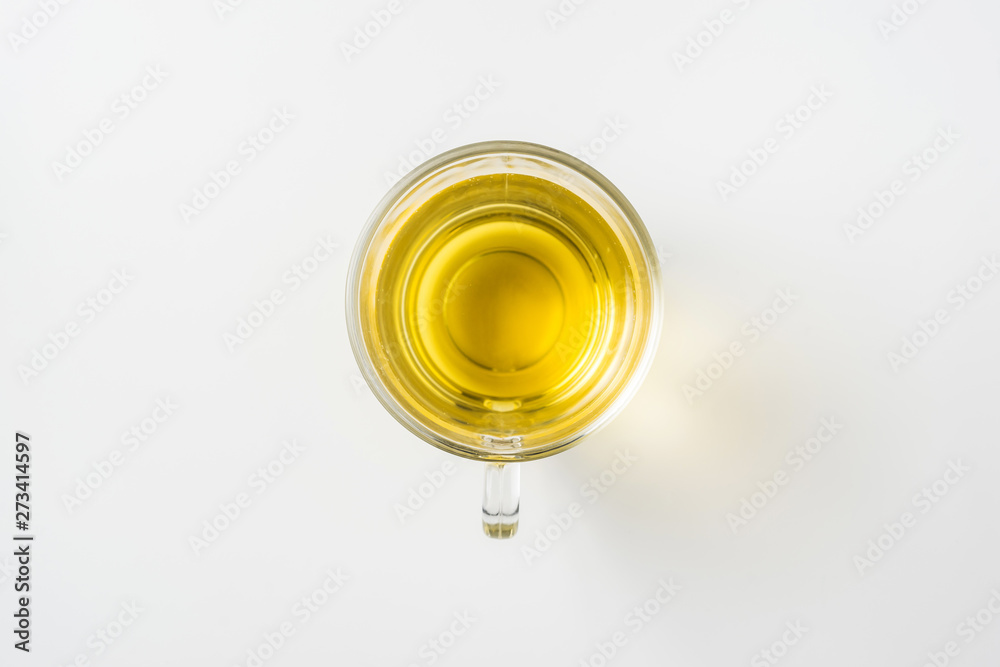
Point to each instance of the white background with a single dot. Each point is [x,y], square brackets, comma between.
[335,506]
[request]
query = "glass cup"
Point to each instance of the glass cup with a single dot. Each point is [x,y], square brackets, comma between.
[503,302]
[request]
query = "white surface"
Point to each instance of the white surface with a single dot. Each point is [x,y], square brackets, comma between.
[333,507]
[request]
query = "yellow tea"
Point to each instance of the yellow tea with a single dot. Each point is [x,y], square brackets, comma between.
[501,300]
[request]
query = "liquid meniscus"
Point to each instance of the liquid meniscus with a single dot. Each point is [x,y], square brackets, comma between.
[501,299]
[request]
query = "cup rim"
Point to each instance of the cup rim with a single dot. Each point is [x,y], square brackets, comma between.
[370,231]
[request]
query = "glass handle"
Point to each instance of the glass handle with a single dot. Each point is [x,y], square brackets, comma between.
[501,499]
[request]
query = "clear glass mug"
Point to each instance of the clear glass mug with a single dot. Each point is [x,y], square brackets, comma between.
[503,302]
